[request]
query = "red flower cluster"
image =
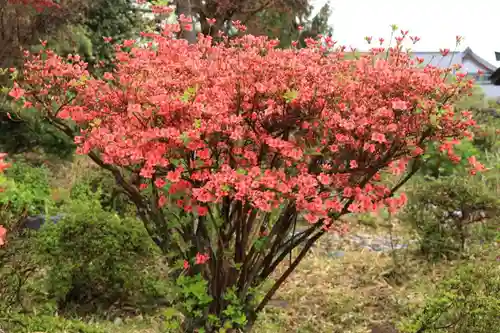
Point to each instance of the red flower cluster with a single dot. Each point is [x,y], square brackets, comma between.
[3,165]
[3,235]
[200,259]
[476,165]
[245,120]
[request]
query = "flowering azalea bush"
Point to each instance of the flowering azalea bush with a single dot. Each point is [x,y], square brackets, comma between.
[224,146]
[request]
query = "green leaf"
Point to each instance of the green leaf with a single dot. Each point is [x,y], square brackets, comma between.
[184,137]
[242,171]
[189,93]
[290,95]
[171,313]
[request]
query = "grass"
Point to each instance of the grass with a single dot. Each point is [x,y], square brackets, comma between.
[345,294]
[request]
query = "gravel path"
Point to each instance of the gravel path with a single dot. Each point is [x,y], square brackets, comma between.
[362,241]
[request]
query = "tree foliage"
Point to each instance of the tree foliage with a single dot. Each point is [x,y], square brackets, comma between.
[24,23]
[68,27]
[289,25]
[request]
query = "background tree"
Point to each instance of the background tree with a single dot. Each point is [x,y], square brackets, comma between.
[291,23]
[117,19]
[69,27]
[22,26]
[274,18]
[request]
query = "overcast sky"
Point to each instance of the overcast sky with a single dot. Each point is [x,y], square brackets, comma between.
[436,22]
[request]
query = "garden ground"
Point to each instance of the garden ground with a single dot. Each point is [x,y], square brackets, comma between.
[341,287]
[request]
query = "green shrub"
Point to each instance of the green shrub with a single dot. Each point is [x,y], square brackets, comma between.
[18,268]
[450,211]
[95,261]
[100,184]
[27,191]
[487,133]
[23,323]
[467,302]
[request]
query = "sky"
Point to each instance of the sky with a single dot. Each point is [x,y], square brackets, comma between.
[436,22]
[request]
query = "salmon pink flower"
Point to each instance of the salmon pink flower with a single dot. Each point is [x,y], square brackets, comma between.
[3,165]
[201,258]
[414,39]
[476,165]
[162,201]
[444,52]
[399,105]
[379,137]
[3,235]
[202,211]
[108,76]
[16,92]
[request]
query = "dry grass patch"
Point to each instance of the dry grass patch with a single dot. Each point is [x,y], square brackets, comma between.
[350,293]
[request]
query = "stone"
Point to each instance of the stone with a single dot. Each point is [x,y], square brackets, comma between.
[336,254]
[36,222]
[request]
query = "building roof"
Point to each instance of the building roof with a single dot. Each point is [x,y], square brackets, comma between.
[480,60]
[435,58]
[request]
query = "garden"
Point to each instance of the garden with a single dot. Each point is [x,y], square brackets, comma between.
[217,166]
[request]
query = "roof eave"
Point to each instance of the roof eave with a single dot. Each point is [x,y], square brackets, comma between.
[480,60]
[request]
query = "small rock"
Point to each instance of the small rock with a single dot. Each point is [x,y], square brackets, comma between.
[118,321]
[336,254]
[278,303]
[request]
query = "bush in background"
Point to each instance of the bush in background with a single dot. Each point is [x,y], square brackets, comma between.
[466,302]
[450,211]
[96,261]
[26,191]
[98,183]
[487,132]
[90,260]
